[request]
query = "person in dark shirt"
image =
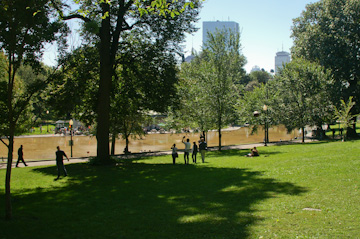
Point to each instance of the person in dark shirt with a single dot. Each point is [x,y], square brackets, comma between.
[194,152]
[20,156]
[59,162]
[254,153]
[202,148]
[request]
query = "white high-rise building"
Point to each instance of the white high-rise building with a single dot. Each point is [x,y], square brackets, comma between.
[282,57]
[213,25]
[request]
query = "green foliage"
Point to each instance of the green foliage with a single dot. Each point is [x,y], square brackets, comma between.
[74,89]
[260,76]
[117,18]
[328,32]
[26,25]
[208,90]
[297,87]
[253,101]
[343,113]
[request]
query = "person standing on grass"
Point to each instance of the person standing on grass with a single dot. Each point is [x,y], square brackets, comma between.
[202,148]
[174,153]
[194,152]
[187,149]
[20,156]
[59,162]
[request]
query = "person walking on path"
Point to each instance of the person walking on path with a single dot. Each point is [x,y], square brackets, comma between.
[187,149]
[174,153]
[59,162]
[194,152]
[20,156]
[202,148]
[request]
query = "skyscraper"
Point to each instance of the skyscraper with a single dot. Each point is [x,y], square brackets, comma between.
[282,57]
[213,25]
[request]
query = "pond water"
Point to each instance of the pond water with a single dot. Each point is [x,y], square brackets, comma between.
[44,147]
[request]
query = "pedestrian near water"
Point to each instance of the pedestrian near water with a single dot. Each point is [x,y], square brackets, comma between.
[174,153]
[187,149]
[20,156]
[59,162]
[202,148]
[194,152]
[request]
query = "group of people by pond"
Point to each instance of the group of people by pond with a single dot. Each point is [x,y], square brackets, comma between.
[202,148]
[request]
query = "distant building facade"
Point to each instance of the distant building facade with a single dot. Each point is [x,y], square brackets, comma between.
[211,27]
[189,58]
[282,57]
[255,68]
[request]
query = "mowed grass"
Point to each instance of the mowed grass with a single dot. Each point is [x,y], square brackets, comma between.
[229,196]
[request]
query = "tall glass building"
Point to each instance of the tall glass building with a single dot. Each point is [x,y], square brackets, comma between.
[282,57]
[212,26]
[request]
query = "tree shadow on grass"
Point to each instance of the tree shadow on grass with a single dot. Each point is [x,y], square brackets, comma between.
[145,201]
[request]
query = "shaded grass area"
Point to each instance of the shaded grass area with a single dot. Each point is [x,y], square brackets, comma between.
[230,196]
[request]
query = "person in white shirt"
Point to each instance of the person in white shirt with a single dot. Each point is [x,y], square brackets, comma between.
[187,149]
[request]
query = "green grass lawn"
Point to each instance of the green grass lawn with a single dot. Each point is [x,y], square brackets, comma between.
[230,196]
[45,129]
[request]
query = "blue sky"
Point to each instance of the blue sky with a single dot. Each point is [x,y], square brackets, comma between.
[265,26]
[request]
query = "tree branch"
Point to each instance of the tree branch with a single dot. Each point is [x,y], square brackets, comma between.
[72,16]
[4,142]
[76,16]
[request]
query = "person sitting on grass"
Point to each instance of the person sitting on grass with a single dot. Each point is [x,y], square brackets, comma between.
[254,153]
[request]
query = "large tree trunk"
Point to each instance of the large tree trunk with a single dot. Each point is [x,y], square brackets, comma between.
[126,151]
[303,134]
[8,205]
[113,140]
[103,107]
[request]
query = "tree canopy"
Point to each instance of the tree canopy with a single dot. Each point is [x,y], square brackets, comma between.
[106,22]
[25,26]
[208,91]
[328,32]
[301,92]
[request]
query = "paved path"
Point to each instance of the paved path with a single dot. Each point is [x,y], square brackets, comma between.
[139,155]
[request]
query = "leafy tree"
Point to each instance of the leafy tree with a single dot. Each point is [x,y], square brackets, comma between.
[252,85]
[144,80]
[328,32]
[208,90]
[302,95]
[223,52]
[260,76]
[193,109]
[343,113]
[25,26]
[255,100]
[106,21]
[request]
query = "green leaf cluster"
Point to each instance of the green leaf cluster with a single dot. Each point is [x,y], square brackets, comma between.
[208,91]
[328,32]
[302,95]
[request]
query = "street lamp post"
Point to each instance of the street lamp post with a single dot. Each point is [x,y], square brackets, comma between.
[266,129]
[47,113]
[71,122]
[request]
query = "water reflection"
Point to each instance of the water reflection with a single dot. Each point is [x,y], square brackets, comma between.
[45,147]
